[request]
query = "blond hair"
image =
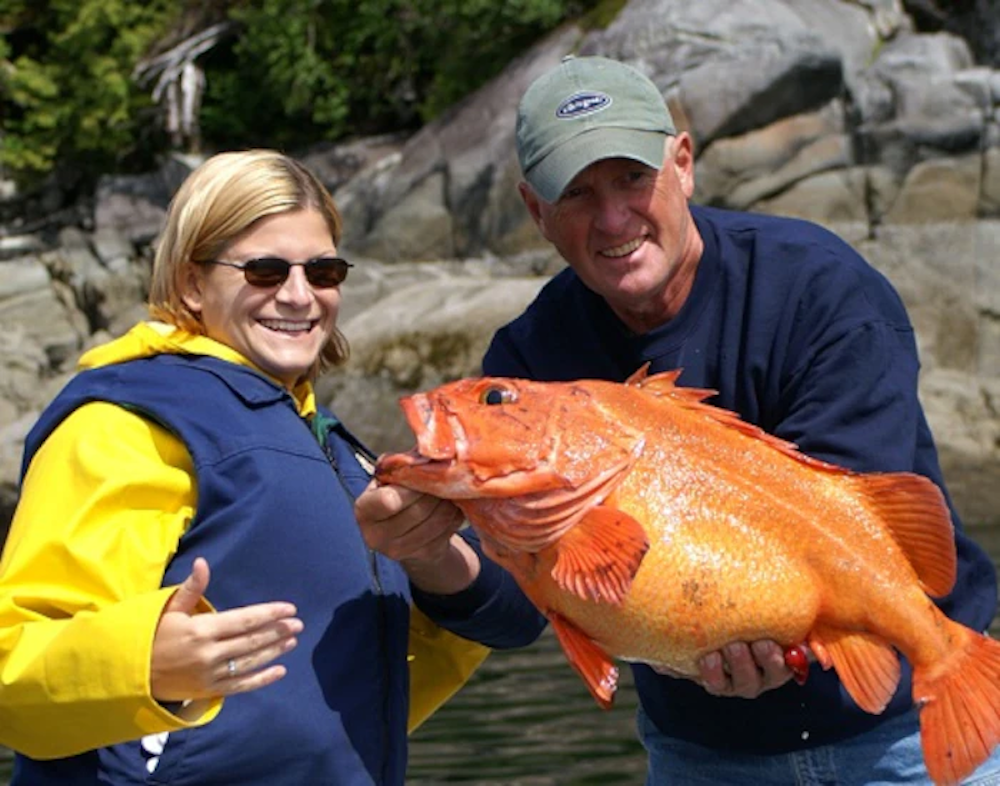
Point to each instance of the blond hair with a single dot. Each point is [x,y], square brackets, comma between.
[218,202]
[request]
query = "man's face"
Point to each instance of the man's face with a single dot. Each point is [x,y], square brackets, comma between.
[626,230]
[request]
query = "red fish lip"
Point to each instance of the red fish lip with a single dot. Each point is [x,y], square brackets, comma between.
[408,468]
[389,464]
[396,461]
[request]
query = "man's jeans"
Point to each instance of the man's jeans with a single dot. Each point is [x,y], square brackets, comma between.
[889,755]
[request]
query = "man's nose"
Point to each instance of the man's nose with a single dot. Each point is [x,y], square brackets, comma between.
[612,214]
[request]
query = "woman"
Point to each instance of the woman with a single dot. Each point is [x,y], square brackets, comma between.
[186,533]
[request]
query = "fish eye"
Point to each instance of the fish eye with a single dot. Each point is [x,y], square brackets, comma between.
[496,395]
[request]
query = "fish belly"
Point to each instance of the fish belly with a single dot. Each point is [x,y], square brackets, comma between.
[691,597]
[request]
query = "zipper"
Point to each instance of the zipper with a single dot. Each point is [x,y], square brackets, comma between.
[332,460]
[328,427]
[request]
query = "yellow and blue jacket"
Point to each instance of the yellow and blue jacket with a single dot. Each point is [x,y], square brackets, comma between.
[169,446]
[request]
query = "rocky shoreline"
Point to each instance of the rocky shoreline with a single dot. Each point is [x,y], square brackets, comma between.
[831,110]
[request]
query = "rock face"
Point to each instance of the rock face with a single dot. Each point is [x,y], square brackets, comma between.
[836,111]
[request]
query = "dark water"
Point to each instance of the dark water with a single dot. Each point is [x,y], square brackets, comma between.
[526,719]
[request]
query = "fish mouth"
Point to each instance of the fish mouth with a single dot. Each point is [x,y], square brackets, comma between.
[434,460]
[394,463]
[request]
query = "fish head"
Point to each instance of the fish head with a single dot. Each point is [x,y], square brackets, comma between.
[506,437]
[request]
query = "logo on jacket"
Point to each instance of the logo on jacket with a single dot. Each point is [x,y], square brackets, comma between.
[580,104]
[152,748]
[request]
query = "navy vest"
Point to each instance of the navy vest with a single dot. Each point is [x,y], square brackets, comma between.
[275,521]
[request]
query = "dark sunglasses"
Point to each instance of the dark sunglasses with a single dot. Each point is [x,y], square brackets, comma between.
[321,272]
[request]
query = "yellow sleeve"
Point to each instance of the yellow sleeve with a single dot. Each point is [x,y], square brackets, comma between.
[102,507]
[440,664]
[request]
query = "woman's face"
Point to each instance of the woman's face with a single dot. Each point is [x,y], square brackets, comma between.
[280,329]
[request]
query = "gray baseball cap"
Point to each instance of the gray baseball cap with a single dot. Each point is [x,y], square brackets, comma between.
[585,110]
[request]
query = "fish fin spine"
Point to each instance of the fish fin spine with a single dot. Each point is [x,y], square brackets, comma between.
[665,384]
[959,702]
[866,664]
[592,663]
[913,508]
[597,559]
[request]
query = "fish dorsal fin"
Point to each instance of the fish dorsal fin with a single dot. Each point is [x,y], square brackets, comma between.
[597,559]
[663,385]
[911,506]
[592,663]
[866,665]
[914,510]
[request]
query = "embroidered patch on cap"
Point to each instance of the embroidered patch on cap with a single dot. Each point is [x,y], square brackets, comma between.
[583,104]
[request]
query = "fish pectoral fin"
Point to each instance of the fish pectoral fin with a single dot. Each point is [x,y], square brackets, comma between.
[592,663]
[597,559]
[915,511]
[866,664]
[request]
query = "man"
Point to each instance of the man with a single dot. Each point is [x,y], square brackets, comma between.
[795,331]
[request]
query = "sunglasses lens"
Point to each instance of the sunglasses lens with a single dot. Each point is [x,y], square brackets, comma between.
[322,272]
[326,271]
[266,272]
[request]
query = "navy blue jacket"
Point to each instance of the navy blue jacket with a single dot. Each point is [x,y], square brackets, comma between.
[275,521]
[802,337]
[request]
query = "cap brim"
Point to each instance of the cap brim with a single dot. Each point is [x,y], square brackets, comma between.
[550,176]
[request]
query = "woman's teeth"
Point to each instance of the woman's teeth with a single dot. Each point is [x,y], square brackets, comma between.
[286,326]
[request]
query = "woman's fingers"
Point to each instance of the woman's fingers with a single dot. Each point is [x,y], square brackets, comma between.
[274,618]
[245,671]
[254,680]
[185,600]
[191,654]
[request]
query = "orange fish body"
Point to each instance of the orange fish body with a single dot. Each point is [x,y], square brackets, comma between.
[649,526]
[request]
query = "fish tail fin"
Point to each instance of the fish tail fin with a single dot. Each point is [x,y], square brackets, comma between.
[959,701]
[592,663]
[914,510]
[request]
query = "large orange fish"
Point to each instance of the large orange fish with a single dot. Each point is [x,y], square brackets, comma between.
[649,526]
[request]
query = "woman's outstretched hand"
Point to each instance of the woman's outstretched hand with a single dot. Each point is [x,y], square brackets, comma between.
[206,655]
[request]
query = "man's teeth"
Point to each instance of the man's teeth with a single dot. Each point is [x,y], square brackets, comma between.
[287,326]
[625,248]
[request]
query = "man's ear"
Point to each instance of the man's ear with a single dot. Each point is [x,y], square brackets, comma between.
[532,202]
[681,153]
[192,286]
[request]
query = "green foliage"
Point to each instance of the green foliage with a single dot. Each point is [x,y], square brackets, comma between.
[325,69]
[484,36]
[294,73]
[68,90]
